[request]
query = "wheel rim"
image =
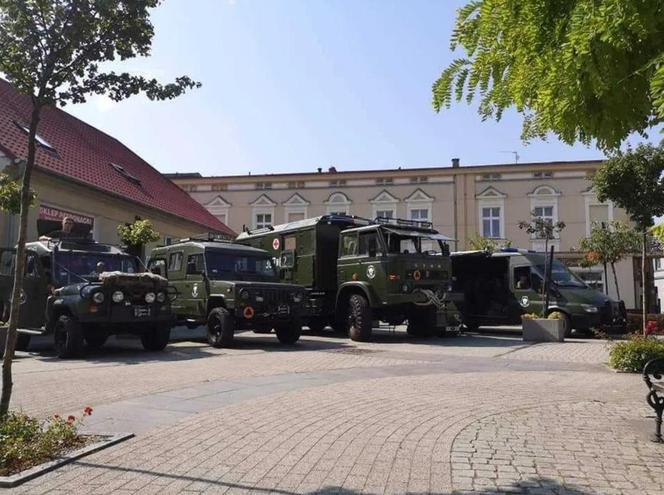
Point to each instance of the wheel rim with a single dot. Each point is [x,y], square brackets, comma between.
[214,330]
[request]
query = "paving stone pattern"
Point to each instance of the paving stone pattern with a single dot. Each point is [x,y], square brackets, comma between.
[473,415]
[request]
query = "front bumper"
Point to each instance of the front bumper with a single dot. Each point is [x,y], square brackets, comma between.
[134,315]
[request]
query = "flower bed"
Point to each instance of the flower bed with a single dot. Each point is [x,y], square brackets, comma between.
[26,442]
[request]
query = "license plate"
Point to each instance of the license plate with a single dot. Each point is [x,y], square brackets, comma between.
[283,309]
[141,311]
[451,329]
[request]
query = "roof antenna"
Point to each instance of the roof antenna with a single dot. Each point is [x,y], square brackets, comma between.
[515,153]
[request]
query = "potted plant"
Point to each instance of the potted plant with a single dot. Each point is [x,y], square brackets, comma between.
[537,328]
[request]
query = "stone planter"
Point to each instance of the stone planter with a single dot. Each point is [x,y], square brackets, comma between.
[543,330]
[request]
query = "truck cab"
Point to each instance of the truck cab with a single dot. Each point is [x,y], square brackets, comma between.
[499,287]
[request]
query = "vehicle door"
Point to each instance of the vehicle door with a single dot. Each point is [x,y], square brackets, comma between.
[34,292]
[370,256]
[195,286]
[527,289]
[175,274]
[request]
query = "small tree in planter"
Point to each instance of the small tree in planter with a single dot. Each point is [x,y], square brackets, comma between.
[545,229]
[609,244]
[136,235]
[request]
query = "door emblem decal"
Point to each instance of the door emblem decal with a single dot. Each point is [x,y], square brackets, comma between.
[371,271]
[524,301]
[194,290]
[275,243]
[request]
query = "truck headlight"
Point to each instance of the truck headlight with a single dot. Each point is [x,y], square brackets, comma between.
[150,297]
[117,296]
[161,297]
[589,308]
[98,297]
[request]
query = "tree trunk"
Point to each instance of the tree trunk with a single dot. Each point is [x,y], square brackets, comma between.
[606,280]
[644,299]
[615,280]
[10,343]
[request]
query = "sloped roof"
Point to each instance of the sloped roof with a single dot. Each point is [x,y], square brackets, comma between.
[85,154]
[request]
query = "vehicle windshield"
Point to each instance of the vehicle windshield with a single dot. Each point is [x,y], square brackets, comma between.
[71,268]
[403,243]
[236,266]
[561,275]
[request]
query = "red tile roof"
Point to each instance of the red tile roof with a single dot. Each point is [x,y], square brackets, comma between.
[85,154]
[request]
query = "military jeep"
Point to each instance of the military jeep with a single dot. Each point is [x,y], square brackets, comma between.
[81,292]
[229,288]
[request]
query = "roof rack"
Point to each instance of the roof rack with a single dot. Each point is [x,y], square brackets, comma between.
[211,237]
[402,222]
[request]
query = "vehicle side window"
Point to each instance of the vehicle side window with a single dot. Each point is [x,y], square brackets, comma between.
[349,245]
[175,262]
[522,277]
[158,266]
[195,264]
[368,244]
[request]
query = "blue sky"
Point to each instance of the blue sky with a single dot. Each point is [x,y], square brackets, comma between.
[291,85]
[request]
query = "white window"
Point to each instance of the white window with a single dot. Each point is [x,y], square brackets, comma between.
[491,222]
[545,213]
[544,204]
[384,205]
[262,220]
[338,204]
[385,214]
[294,216]
[419,214]
[295,208]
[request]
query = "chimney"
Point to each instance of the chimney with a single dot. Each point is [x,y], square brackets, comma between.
[455,163]
[320,170]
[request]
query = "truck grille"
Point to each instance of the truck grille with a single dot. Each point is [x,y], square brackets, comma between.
[273,297]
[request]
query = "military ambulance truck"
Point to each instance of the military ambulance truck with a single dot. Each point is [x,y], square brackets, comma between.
[499,287]
[229,288]
[81,292]
[357,271]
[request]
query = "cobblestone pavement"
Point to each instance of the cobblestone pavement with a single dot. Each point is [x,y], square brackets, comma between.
[473,414]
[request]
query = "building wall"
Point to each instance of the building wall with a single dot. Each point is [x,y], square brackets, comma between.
[560,188]
[108,212]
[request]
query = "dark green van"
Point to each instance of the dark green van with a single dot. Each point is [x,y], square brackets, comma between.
[499,287]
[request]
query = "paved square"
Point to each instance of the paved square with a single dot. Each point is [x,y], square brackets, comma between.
[469,414]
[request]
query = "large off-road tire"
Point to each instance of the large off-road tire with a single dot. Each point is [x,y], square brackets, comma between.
[220,328]
[289,334]
[568,324]
[68,337]
[422,323]
[359,318]
[95,339]
[156,339]
[23,341]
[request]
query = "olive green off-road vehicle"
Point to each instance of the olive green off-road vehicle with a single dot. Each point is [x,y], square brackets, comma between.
[81,292]
[229,288]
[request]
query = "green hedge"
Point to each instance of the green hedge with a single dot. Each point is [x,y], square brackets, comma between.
[633,354]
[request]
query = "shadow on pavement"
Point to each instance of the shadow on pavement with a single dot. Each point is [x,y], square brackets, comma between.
[542,486]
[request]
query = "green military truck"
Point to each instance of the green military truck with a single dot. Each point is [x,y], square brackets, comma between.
[81,292]
[229,287]
[499,287]
[357,271]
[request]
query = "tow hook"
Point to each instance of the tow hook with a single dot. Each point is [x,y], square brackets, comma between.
[431,298]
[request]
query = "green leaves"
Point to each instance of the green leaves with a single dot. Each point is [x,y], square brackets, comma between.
[633,181]
[609,243]
[10,195]
[582,69]
[51,49]
[138,233]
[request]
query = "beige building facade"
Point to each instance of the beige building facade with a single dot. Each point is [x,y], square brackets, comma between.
[462,202]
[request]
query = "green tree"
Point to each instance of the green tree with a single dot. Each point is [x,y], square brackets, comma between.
[51,51]
[608,244]
[487,244]
[137,234]
[545,229]
[581,69]
[633,181]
